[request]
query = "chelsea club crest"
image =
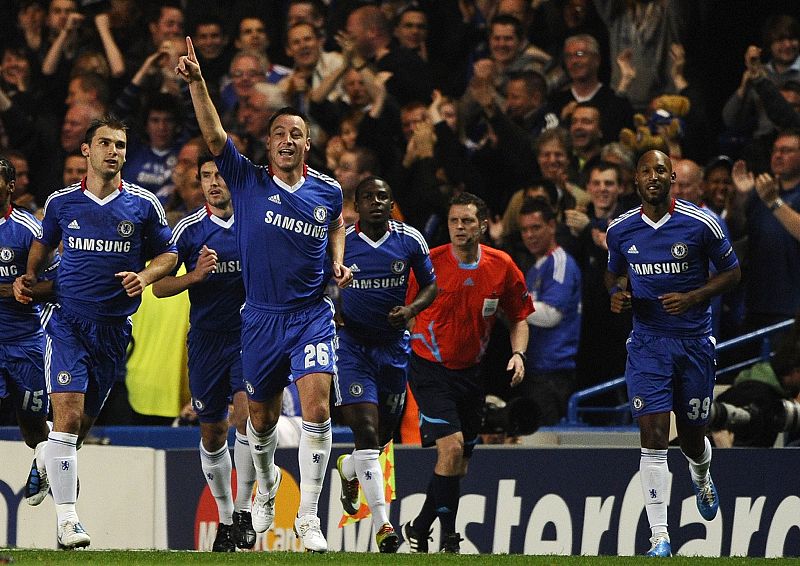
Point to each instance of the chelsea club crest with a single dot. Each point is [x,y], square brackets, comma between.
[320,214]
[679,250]
[125,228]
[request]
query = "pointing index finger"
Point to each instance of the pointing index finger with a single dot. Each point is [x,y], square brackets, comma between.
[190,50]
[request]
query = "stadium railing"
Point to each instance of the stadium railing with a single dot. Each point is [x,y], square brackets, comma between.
[620,413]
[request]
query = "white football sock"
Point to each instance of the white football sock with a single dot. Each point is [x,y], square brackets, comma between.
[370,477]
[262,449]
[653,472]
[217,470]
[61,462]
[312,455]
[699,468]
[245,473]
[349,466]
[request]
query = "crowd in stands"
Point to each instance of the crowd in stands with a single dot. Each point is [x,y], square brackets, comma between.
[512,100]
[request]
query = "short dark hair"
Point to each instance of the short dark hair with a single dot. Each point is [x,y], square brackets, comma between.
[204,157]
[7,170]
[209,19]
[605,166]
[366,159]
[508,20]
[466,198]
[95,82]
[108,120]
[780,26]
[532,205]
[548,186]
[288,111]
[372,179]
[534,81]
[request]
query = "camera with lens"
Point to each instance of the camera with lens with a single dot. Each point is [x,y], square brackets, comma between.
[757,420]
[517,417]
[91,8]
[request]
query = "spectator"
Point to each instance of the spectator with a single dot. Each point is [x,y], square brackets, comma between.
[22,195]
[411,30]
[410,78]
[74,168]
[589,229]
[554,283]
[689,187]
[213,50]
[773,254]
[311,66]
[718,184]
[354,166]
[587,139]
[743,113]
[622,156]
[643,31]
[582,60]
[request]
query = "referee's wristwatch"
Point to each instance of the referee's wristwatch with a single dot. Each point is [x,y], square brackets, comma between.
[521,355]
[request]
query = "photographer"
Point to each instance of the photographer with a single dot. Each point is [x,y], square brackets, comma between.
[769,394]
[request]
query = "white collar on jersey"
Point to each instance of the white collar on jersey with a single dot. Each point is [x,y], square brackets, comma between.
[656,225]
[286,187]
[221,222]
[102,201]
[372,243]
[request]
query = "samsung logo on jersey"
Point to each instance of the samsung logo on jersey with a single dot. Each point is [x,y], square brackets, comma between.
[98,245]
[379,283]
[294,225]
[228,266]
[669,268]
[8,270]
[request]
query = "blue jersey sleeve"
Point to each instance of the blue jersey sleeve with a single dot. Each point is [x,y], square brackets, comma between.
[238,171]
[422,266]
[616,261]
[157,232]
[51,230]
[720,252]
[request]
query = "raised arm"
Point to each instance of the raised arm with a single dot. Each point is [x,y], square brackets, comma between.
[115,59]
[214,134]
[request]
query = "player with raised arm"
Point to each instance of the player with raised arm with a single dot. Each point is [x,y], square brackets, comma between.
[374,346]
[108,229]
[207,246]
[288,217]
[658,265]
[21,344]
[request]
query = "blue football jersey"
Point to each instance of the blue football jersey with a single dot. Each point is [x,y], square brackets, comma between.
[102,237]
[669,256]
[18,229]
[380,277]
[556,281]
[282,231]
[215,302]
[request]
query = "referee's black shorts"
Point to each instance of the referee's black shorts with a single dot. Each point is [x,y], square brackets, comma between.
[450,400]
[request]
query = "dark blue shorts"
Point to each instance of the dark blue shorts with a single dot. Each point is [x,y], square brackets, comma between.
[371,373]
[215,372]
[83,356]
[277,347]
[450,400]
[22,376]
[671,374]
